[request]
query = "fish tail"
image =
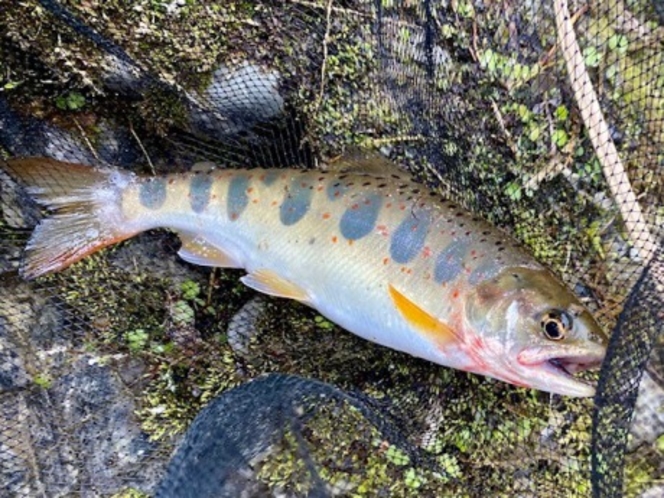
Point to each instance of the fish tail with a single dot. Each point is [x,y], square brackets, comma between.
[85,211]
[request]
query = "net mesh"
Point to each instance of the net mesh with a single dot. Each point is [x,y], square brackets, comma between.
[134,373]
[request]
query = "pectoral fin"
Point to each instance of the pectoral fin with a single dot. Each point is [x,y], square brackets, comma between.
[268,282]
[198,251]
[424,322]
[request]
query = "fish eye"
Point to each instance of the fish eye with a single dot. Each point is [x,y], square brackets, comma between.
[556,324]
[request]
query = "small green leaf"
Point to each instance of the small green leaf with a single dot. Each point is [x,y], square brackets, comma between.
[619,43]
[190,289]
[534,133]
[562,113]
[513,191]
[560,138]
[137,340]
[591,57]
[71,102]
[11,85]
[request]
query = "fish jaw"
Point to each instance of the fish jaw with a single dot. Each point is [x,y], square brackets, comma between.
[552,368]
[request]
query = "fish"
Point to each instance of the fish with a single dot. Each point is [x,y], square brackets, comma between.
[362,242]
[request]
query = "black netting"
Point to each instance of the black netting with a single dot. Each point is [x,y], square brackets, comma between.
[134,373]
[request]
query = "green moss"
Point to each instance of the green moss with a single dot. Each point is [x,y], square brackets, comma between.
[43,380]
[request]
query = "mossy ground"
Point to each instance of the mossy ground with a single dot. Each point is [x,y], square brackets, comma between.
[497,144]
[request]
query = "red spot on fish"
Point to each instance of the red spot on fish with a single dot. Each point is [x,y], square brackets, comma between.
[473,252]
[413,228]
[233,216]
[214,196]
[337,193]
[388,205]
[382,229]
[262,178]
[452,233]
[367,201]
[171,181]
[426,252]
[455,294]
[402,207]
[274,203]
[320,188]
[350,242]
[255,201]
[250,190]
[326,216]
[355,206]
[334,239]
[386,260]
[303,184]
[427,276]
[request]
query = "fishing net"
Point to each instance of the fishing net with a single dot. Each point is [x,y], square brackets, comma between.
[133,373]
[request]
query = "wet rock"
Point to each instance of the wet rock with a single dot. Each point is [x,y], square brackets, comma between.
[236,100]
[67,424]
[244,325]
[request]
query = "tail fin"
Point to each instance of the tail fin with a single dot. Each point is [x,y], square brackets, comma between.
[86,207]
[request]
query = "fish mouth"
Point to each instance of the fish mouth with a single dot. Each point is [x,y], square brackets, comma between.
[558,366]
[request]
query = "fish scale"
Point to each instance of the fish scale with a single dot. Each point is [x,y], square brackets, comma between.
[375,252]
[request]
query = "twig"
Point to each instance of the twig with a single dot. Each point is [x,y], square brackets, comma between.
[340,10]
[145,152]
[85,138]
[506,132]
[554,167]
[323,67]
[600,136]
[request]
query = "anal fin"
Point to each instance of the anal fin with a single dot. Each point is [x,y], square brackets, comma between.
[198,251]
[269,282]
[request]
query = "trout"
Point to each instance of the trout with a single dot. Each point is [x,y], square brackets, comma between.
[366,246]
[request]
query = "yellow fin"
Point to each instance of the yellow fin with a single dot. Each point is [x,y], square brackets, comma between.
[356,160]
[198,251]
[436,330]
[269,282]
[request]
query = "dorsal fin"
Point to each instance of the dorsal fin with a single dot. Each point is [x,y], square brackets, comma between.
[357,160]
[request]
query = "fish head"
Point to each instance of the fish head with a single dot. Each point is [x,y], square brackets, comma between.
[540,333]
